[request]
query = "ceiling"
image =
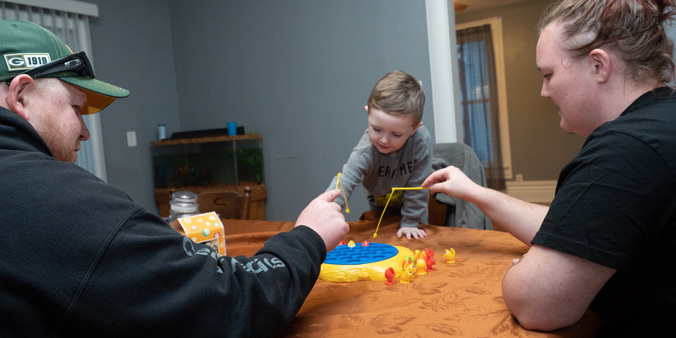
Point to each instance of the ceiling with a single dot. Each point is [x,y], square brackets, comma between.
[475,5]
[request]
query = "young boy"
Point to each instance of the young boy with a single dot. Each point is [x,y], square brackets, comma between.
[395,151]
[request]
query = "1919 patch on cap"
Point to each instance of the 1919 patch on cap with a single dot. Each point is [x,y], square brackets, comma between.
[24,61]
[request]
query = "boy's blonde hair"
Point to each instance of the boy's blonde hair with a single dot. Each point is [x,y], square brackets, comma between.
[398,93]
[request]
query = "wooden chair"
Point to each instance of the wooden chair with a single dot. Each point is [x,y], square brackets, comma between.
[227,204]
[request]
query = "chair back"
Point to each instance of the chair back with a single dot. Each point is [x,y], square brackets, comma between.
[227,204]
[458,212]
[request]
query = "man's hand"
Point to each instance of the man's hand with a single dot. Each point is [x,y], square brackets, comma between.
[416,233]
[324,217]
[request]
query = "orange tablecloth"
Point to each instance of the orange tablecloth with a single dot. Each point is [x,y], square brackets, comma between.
[463,299]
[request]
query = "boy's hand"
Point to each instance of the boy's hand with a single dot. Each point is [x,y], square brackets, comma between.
[416,233]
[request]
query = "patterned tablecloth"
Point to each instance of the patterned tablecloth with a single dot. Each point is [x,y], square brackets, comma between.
[463,299]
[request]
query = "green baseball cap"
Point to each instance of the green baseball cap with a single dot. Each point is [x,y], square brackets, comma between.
[26,47]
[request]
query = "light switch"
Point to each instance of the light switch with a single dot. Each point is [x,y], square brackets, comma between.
[131,138]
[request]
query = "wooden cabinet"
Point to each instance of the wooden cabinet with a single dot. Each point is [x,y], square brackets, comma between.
[256,209]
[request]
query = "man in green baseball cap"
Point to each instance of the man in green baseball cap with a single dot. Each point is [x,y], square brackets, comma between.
[46,82]
[81,259]
[28,48]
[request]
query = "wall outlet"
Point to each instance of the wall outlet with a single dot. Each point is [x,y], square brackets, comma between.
[131,139]
[519,177]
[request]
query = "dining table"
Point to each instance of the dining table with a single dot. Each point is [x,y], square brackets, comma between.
[460,299]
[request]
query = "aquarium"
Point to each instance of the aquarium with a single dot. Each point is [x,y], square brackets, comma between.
[208,161]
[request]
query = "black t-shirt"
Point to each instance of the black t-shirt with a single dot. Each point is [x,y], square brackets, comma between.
[615,205]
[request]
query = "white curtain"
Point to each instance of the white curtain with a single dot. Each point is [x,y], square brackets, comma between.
[73,28]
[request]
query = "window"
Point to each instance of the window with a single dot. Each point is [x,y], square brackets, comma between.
[478,92]
[483,96]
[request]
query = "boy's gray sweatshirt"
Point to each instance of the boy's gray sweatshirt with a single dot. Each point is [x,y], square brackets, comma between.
[408,167]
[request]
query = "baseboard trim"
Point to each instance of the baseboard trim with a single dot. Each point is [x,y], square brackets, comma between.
[532,191]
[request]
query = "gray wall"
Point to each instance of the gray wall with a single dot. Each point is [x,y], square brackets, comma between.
[132,48]
[299,72]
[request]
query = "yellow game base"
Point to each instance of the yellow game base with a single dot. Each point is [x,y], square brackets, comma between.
[371,271]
